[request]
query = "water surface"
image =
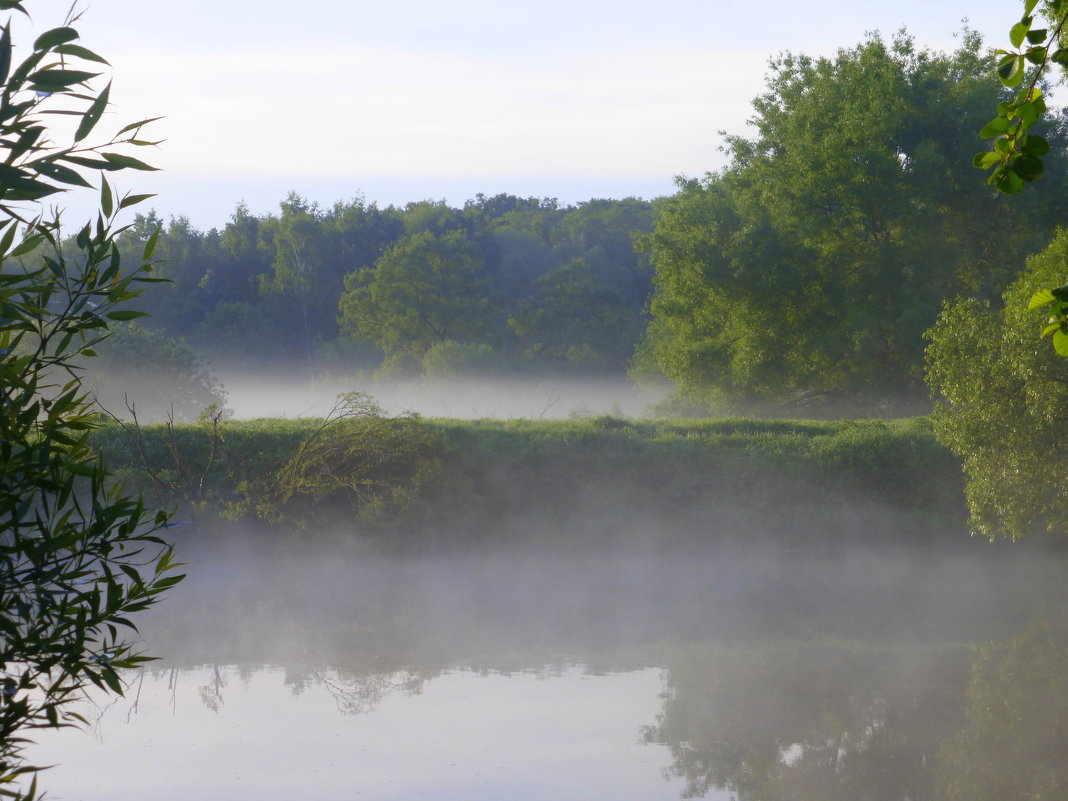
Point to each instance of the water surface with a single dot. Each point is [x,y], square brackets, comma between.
[750,675]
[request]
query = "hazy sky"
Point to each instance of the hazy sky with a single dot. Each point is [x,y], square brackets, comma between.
[403,101]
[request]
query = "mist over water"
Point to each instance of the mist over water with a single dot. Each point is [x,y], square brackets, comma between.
[585,622]
[539,398]
[533,671]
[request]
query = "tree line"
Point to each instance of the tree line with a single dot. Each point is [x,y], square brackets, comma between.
[807,270]
[812,266]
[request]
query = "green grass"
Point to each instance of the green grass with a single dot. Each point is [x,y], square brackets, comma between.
[497,479]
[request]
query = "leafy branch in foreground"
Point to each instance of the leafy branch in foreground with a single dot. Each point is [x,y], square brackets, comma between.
[1016,158]
[1057,324]
[1017,155]
[78,556]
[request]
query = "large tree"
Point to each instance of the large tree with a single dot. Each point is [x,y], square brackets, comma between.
[427,288]
[1002,393]
[1005,403]
[813,263]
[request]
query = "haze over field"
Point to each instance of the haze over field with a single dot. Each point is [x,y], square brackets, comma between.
[487,397]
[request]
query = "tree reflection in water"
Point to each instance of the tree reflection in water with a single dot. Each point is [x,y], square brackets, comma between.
[1015,742]
[809,722]
[789,677]
[854,722]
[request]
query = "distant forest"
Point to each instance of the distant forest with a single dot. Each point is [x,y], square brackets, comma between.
[810,270]
[502,284]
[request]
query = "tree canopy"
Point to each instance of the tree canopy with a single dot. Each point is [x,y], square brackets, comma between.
[1005,403]
[813,263]
[341,289]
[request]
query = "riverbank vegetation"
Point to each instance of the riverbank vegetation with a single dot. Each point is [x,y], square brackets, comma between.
[454,484]
[843,263]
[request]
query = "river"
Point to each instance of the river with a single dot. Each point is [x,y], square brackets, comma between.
[746,675]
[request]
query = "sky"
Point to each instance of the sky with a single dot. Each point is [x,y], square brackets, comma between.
[413,100]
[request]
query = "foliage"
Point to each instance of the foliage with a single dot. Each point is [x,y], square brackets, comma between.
[78,556]
[1057,323]
[453,360]
[370,462]
[267,288]
[806,721]
[576,318]
[424,290]
[811,266]
[1017,720]
[793,483]
[1016,157]
[1005,400]
[182,479]
[356,466]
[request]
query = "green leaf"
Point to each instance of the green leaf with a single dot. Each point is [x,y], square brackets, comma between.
[1028,113]
[122,315]
[54,80]
[1019,31]
[60,173]
[1028,167]
[80,52]
[985,161]
[121,162]
[28,244]
[133,126]
[26,189]
[111,678]
[1060,57]
[7,240]
[1041,298]
[1007,181]
[1036,55]
[996,127]
[1060,342]
[54,38]
[1029,6]
[5,53]
[1037,36]
[1011,70]
[133,200]
[1060,292]
[150,245]
[92,164]
[106,199]
[93,114]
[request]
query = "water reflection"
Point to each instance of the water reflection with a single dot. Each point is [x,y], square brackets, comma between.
[1015,741]
[810,721]
[559,734]
[757,677]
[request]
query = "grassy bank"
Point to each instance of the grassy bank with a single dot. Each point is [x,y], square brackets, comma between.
[797,483]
